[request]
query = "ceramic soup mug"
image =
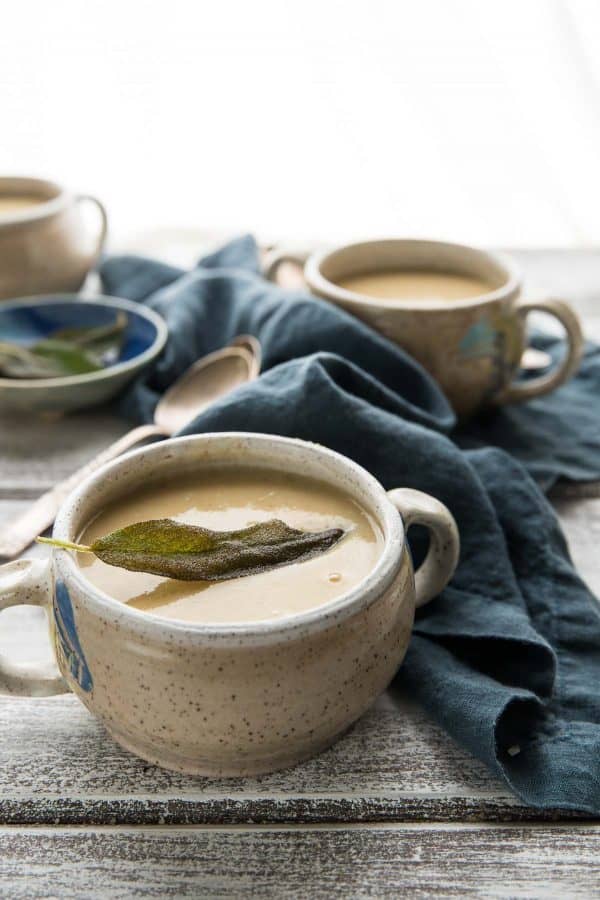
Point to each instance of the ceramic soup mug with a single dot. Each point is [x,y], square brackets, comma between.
[471,346]
[230,699]
[45,246]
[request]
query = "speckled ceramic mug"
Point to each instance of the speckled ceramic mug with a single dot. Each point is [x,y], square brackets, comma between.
[472,347]
[234,699]
[48,246]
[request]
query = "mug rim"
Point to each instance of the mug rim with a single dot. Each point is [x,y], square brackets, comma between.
[324,287]
[264,631]
[42,210]
[118,368]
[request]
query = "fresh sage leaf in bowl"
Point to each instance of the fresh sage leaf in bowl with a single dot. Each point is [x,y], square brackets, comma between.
[52,360]
[67,351]
[99,339]
[192,553]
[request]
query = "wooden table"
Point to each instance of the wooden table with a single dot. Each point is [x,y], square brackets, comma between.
[395,808]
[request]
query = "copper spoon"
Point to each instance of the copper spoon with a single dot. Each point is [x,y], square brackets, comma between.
[205,381]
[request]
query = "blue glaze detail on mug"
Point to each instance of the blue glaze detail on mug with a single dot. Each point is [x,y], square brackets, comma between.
[480,340]
[68,638]
[497,338]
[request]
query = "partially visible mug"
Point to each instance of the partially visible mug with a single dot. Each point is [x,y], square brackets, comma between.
[472,346]
[240,698]
[45,245]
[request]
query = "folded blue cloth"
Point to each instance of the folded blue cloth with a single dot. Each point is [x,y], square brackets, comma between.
[507,658]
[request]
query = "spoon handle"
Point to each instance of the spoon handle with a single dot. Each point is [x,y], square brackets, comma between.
[19,533]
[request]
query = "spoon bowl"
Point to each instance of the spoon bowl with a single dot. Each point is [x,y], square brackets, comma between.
[213,376]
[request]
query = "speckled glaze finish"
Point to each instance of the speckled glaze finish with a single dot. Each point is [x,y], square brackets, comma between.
[46,247]
[248,698]
[472,347]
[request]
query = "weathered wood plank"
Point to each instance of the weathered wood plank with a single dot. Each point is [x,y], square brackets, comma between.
[580,519]
[59,764]
[35,453]
[420,861]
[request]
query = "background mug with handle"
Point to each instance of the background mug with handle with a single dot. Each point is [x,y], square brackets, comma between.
[47,247]
[472,347]
[225,699]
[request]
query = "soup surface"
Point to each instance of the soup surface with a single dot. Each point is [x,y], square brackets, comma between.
[17,203]
[224,500]
[415,285]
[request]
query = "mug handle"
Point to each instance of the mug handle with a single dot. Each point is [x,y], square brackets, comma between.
[89,198]
[524,390]
[275,259]
[28,582]
[436,570]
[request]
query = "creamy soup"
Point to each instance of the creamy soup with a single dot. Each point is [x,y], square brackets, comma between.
[225,500]
[17,203]
[417,285]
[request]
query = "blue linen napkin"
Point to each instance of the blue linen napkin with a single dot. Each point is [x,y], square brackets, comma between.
[507,658]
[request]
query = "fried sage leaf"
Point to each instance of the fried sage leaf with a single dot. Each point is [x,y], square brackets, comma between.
[102,340]
[67,351]
[191,553]
[48,359]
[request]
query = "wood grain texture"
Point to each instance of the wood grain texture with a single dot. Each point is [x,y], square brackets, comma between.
[59,765]
[580,519]
[398,861]
[35,453]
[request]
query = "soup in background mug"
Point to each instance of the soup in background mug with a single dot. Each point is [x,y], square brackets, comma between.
[45,244]
[261,692]
[456,309]
[407,284]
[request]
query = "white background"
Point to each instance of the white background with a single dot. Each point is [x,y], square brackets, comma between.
[472,119]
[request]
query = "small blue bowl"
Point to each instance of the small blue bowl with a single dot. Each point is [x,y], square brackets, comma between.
[33,318]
